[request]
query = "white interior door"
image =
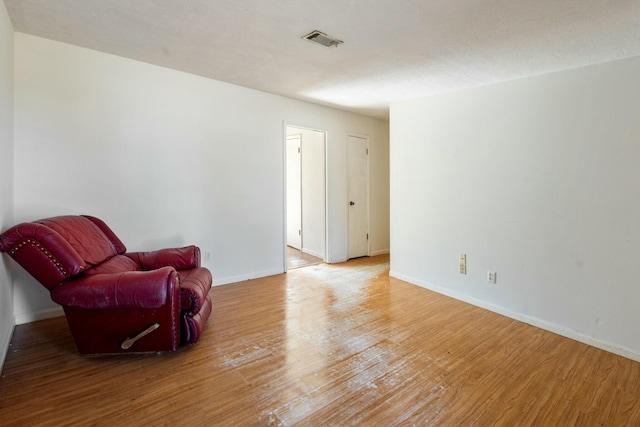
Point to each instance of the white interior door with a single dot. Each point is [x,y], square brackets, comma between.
[358,175]
[294,192]
[313,193]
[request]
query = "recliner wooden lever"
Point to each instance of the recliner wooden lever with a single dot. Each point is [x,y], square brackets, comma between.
[126,344]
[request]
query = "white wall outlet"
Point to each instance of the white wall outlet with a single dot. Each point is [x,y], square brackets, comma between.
[207,256]
[463,263]
[492,277]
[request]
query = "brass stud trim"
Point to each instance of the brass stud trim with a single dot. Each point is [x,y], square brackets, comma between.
[37,244]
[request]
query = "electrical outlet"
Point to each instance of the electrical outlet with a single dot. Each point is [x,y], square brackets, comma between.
[463,263]
[492,277]
[207,256]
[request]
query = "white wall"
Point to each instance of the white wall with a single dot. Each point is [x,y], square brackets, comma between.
[536,179]
[165,158]
[6,176]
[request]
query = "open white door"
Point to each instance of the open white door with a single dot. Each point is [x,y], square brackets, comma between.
[358,173]
[294,192]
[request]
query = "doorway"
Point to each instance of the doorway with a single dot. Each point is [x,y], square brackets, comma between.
[305,178]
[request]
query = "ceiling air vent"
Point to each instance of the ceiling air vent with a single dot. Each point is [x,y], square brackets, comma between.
[323,39]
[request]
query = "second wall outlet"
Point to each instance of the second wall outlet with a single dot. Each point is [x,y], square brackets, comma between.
[492,277]
[463,263]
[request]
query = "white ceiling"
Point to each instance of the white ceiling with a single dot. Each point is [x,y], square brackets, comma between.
[393,49]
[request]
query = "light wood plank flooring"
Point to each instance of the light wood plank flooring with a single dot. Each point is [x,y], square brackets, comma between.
[326,345]
[296,259]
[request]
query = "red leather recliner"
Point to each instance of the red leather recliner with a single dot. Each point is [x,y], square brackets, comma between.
[114,301]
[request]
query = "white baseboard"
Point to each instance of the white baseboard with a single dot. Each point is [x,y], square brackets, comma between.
[380,252]
[313,253]
[249,276]
[5,342]
[534,321]
[47,313]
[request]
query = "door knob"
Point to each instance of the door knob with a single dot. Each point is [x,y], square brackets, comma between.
[351,203]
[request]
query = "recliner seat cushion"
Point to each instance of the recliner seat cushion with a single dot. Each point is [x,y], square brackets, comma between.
[116,264]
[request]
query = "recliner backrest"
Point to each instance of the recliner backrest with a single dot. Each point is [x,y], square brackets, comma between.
[55,249]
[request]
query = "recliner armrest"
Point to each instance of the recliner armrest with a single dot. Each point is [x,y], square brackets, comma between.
[131,289]
[195,285]
[178,258]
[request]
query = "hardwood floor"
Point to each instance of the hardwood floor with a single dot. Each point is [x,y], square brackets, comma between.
[321,346]
[296,259]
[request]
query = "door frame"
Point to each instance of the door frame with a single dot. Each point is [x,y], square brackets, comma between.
[367,190]
[325,151]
